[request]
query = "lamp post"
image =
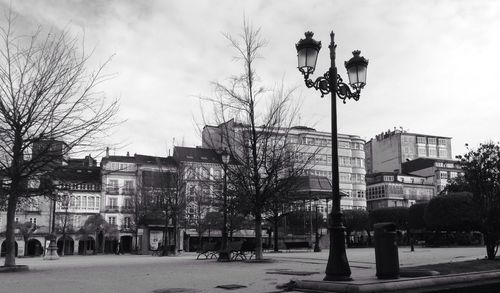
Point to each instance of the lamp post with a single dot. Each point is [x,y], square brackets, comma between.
[316,240]
[224,253]
[307,52]
[51,253]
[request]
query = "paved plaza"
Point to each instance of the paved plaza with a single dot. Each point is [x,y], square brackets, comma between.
[145,273]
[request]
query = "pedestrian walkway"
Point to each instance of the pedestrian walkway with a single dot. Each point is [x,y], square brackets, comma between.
[145,273]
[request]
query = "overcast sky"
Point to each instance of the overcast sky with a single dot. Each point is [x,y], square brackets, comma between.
[433,66]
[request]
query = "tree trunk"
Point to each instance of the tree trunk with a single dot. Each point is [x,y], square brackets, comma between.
[276,235]
[258,236]
[85,245]
[490,246]
[10,237]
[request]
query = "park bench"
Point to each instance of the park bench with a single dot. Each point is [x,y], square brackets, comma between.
[297,245]
[242,250]
[209,250]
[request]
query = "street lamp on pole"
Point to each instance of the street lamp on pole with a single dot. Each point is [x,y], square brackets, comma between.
[224,253]
[307,52]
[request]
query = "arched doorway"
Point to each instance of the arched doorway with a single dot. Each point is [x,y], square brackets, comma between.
[69,246]
[110,244]
[126,243]
[34,248]
[86,246]
[3,249]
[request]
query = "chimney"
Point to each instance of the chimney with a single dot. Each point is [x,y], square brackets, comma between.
[107,152]
[128,154]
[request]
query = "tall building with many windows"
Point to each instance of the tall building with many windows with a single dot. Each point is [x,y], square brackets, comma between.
[387,151]
[316,146]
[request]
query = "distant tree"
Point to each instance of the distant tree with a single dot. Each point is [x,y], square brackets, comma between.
[46,96]
[396,215]
[452,212]
[266,159]
[416,216]
[356,220]
[94,225]
[481,177]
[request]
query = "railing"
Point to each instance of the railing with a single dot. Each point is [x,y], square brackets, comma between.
[112,190]
[126,210]
[126,228]
[112,209]
[128,191]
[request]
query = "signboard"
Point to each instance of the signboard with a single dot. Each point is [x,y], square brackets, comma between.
[140,231]
[155,238]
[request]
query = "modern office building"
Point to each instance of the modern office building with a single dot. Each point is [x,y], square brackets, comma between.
[388,150]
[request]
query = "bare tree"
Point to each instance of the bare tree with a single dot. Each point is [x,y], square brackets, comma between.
[255,126]
[46,97]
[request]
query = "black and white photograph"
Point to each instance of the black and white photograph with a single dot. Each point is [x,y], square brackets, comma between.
[245,146]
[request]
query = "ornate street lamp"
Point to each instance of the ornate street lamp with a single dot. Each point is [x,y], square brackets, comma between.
[224,253]
[307,52]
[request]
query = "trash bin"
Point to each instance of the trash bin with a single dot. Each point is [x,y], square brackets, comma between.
[386,251]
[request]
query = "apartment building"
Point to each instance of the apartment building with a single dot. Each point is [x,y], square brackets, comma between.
[440,170]
[390,189]
[388,150]
[315,145]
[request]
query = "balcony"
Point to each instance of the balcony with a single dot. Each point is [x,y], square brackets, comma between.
[112,209]
[126,210]
[128,191]
[126,228]
[112,190]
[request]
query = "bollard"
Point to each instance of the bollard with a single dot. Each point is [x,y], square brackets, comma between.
[386,251]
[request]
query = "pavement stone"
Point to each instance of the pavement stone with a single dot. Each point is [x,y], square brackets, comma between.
[145,273]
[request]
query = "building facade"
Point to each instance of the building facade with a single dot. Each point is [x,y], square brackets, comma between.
[390,189]
[439,170]
[315,146]
[387,151]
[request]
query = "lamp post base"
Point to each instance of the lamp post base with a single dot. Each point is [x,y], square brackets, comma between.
[337,268]
[51,253]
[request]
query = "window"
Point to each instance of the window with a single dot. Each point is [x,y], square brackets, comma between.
[77,202]
[432,152]
[126,222]
[33,221]
[113,202]
[112,186]
[90,202]
[421,140]
[128,187]
[16,220]
[422,151]
[443,153]
[345,177]
[442,142]
[112,220]
[431,140]
[127,203]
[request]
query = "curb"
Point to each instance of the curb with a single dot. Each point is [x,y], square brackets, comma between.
[422,284]
[17,268]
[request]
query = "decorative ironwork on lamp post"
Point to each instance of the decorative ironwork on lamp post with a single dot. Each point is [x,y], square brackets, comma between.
[307,53]
[224,253]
